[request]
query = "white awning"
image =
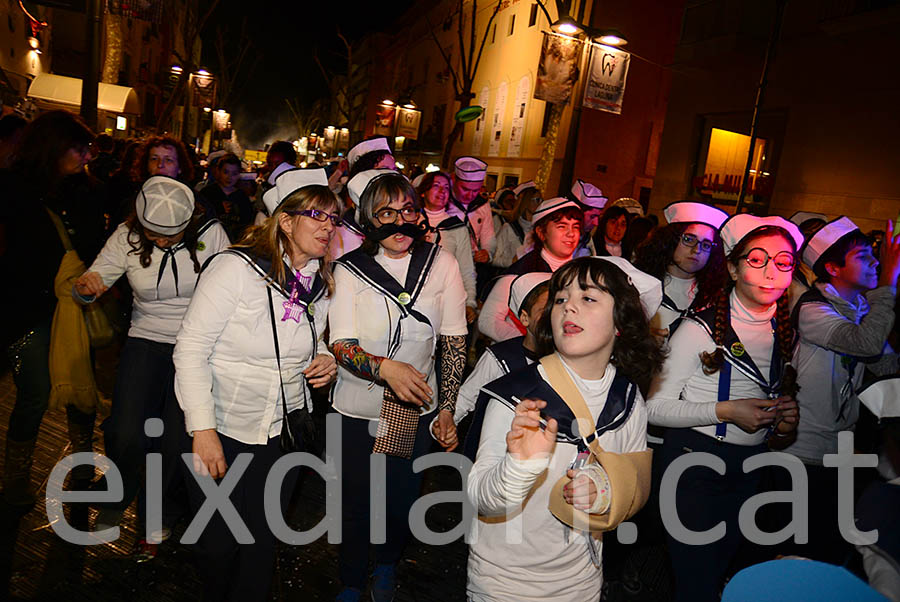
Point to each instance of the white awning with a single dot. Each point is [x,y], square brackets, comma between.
[59,89]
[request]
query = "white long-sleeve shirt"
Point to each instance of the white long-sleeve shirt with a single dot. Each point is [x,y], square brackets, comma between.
[226,371]
[482,224]
[682,396]
[682,292]
[549,561]
[508,243]
[360,312]
[457,243]
[827,405]
[159,305]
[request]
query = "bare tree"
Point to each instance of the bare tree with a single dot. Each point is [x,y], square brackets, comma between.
[308,118]
[345,96]
[463,74]
[190,32]
[232,56]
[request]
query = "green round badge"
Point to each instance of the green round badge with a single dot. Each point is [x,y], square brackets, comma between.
[201,245]
[404,298]
[311,309]
[737,349]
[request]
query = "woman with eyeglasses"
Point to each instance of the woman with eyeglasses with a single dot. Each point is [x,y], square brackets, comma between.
[46,186]
[397,317]
[251,344]
[686,256]
[728,389]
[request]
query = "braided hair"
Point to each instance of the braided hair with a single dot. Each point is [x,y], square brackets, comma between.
[784,329]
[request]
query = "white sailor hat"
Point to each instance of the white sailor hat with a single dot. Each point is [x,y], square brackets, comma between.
[358,183]
[290,181]
[629,204]
[649,288]
[588,194]
[164,205]
[693,212]
[882,397]
[827,235]
[417,181]
[522,286]
[470,169]
[523,187]
[738,226]
[551,206]
[215,156]
[367,146]
[280,169]
[801,216]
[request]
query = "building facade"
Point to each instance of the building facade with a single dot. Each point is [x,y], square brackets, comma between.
[828,126]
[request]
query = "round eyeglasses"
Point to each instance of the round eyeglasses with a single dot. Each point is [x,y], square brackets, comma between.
[758,259]
[319,216]
[389,216]
[691,241]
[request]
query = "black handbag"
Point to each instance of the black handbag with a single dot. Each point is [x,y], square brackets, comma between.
[298,429]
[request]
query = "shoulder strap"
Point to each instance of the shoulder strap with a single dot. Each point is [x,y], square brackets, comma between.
[812,295]
[563,384]
[60,229]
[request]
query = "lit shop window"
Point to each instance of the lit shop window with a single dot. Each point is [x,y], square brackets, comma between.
[726,160]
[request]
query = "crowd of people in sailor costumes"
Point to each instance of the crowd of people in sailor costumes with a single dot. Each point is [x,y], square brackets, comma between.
[743,334]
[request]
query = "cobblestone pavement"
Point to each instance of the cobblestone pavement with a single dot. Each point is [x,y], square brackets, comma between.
[38,565]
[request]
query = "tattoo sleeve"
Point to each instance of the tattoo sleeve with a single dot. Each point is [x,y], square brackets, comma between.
[353,358]
[453,362]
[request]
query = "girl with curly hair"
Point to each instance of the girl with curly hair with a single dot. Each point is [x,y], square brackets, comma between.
[726,388]
[687,258]
[542,500]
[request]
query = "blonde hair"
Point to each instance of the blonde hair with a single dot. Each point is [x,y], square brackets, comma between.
[268,240]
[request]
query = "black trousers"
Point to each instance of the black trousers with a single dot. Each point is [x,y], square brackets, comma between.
[703,499]
[400,491]
[229,570]
[145,388]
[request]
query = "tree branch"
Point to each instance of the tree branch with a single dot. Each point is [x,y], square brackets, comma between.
[463,62]
[456,87]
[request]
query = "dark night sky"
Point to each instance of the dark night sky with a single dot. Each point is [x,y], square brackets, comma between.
[284,36]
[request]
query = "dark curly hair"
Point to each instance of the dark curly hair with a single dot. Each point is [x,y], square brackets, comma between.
[655,256]
[185,165]
[635,352]
[784,329]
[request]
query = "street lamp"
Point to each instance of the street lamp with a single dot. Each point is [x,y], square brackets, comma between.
[567,25]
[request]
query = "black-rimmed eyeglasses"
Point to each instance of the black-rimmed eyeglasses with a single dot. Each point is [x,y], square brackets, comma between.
[758,259]
[319,216]
[389,216]
[691,241]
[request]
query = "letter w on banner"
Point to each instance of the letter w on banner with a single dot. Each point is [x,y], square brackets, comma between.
[605,85]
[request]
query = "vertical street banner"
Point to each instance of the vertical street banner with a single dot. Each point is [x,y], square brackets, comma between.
[558,68]
[497,121]
[408,121]
[520,110]
[478,136]
[605,86]
[384,120]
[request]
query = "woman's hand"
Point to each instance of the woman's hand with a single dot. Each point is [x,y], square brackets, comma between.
[526,439]
[471,314]
[209,460]
[322,371]
[90,284]
[749,414]
[787,415]
[581,491]
[408,384]
[444,430]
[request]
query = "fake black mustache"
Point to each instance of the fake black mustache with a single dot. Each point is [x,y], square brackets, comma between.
[407,229]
